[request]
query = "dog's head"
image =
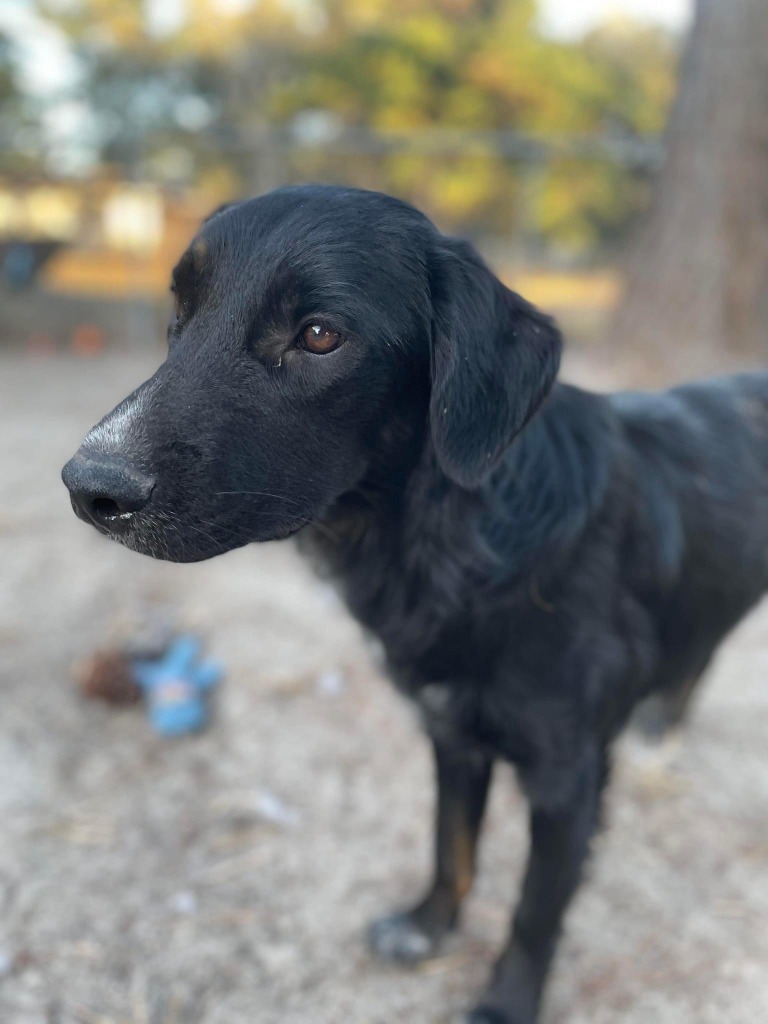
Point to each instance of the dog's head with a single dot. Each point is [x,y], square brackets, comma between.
[320,335]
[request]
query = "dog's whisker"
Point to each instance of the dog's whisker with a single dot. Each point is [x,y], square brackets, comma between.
[256,494]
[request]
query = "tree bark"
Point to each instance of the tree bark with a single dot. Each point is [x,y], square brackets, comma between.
[697,268]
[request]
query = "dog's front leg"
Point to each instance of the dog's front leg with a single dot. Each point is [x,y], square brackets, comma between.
[560,836]
[462,788]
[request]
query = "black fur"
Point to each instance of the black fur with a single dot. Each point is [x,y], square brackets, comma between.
[535,559]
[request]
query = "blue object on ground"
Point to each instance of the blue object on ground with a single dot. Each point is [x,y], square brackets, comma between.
[177,687]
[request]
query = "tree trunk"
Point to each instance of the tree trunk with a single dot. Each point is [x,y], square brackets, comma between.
[697,270]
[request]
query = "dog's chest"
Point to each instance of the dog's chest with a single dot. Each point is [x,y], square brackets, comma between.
[450,711]
[462,715]
[447,713]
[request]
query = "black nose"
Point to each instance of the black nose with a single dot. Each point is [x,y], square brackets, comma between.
[106,490]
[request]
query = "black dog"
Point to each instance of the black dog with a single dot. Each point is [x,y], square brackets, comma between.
[534,558]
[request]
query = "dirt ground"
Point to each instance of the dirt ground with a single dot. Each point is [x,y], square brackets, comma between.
[228,878]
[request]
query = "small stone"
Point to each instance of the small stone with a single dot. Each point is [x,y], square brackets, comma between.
[184,902]
[331,682]
[271,808]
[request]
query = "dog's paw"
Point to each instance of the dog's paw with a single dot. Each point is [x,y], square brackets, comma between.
[486,1015]
[491,1015]
[398,937]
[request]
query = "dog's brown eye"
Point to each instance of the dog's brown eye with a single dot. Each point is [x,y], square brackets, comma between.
[319,339]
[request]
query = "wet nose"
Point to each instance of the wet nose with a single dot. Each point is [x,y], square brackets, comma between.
[106,490]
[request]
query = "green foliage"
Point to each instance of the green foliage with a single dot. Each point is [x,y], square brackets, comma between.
[481,66]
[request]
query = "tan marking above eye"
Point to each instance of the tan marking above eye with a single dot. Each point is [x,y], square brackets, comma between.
[199,253]
[320,339]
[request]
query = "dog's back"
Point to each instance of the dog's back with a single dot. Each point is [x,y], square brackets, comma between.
[701,460]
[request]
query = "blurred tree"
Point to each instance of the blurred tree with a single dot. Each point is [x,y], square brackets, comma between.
[414,67]
[9,96]
[187,102]
[698,268]
[462,106]
[19,129]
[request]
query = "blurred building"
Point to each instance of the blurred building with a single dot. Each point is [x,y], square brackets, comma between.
[93,238]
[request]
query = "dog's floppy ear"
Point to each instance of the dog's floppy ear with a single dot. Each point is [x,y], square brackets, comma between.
[494,358]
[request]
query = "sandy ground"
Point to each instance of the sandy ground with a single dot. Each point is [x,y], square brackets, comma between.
[228,878]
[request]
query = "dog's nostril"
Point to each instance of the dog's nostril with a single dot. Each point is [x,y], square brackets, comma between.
[105,508]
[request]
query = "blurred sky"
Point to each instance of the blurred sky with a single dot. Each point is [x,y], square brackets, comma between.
[572,17]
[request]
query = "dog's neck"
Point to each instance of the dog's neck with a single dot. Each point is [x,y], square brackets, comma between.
[412,549]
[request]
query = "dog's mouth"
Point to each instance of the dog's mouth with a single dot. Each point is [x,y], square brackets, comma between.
[165,534]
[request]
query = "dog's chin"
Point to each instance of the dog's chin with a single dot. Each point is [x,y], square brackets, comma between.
[196,544]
